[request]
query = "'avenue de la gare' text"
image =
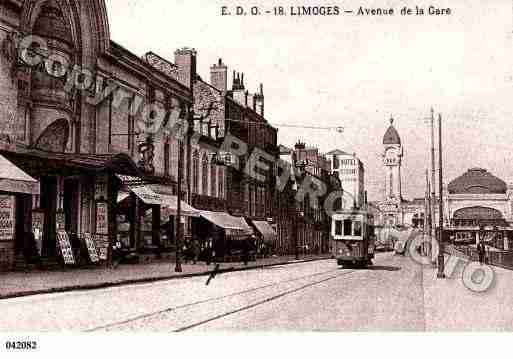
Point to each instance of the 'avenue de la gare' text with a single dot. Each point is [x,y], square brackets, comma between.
[431,10]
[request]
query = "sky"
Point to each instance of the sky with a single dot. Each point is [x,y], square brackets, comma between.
[356,72]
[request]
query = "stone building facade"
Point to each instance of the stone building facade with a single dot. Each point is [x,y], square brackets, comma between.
[300,217]
[77,132]
[221,113]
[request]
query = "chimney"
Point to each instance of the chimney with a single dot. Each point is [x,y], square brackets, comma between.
[238,88]
[219,76]
[185,60]
[300,145]
[259,101]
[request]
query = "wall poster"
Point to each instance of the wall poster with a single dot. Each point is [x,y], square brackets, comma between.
[102,218]
[102,245]
[38,222]
[7,217]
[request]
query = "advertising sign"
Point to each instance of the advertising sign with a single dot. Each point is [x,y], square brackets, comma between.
[102,218]
[91,248]
[102,245]
[65,247]
[7,219]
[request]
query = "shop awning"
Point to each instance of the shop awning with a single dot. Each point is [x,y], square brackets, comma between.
[236,225]
[168,203]
[169,207]
[13,179]
[48,163]
[266,230]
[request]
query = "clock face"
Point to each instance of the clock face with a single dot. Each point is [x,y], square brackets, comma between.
[391,157]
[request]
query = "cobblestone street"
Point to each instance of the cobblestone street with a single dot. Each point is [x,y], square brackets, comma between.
[396,294]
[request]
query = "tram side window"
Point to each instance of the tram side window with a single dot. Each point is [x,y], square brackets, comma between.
[357,228]
[348,224]
[338,228]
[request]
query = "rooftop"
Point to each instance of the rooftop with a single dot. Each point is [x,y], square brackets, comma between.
[477,181]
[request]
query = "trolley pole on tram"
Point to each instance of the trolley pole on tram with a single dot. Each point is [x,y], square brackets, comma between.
[441,258]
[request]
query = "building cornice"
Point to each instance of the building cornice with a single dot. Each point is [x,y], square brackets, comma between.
[479,197]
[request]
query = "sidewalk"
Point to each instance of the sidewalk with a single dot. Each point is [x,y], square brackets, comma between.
[451,306]
[19,284]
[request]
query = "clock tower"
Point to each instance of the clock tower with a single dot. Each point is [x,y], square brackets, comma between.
[392,160]
[391,207]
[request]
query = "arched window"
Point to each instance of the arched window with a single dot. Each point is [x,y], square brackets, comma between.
[204,175]
[195,172]
[213,178]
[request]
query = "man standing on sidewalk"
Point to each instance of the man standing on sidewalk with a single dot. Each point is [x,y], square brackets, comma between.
[481,251]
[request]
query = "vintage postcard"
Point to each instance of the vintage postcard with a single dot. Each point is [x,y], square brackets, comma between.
[264,166]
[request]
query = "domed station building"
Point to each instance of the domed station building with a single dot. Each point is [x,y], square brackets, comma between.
[479,207]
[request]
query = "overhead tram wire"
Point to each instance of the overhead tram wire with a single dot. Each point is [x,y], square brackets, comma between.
[338,129]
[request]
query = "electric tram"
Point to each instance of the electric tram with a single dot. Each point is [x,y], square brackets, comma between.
[353,239]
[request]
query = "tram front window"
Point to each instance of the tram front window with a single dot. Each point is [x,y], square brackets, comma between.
[357,228]
[348,227]
[338,228]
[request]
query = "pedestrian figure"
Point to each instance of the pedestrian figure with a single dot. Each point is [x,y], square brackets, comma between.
[117,254]
[195,250]
[245,252]
[481,251]
[76,247]
[209,250]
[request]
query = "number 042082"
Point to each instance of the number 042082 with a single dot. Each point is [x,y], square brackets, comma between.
[20,345]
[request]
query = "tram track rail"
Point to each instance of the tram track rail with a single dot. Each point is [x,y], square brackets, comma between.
[228,296]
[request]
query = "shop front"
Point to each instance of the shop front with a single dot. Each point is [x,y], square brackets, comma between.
[227,237]
[16,191]
[69,220]
[266,237]
[146,218]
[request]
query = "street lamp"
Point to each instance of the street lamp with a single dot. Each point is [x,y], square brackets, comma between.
[300,165]
[178,228]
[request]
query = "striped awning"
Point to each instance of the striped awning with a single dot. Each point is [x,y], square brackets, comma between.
[167,202]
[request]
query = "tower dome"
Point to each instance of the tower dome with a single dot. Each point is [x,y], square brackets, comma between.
[391,136]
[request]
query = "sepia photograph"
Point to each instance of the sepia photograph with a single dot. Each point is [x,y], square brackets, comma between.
[305,169]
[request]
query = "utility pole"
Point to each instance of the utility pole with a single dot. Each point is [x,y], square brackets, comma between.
[441,259]
[432,199]
[178,224]
[433,175]
[427,219]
